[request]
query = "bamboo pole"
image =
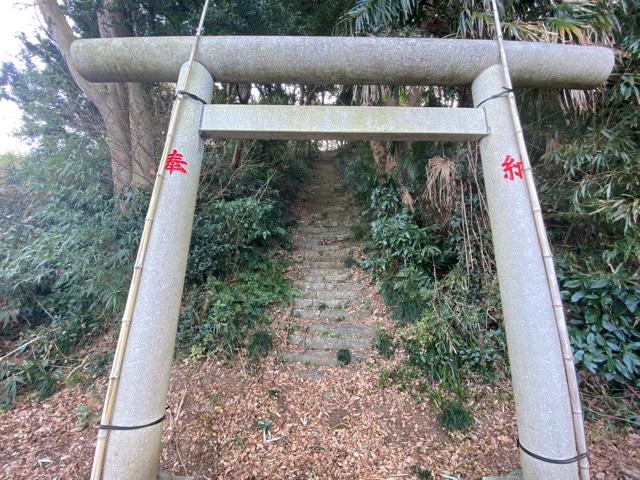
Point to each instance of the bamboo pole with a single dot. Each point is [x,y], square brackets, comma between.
[547,255]
[116,369]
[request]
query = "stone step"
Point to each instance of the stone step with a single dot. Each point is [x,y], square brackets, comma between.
[352,330]
[319,208]
[327,342]
[337,269]
[324,295]
[335,315]
[315,255]
[321,230]
[338,233]
[330,221]
[336,261]
[310,286]
[321,304]
[326,277]
[321,358]
[319,255]
[314,243]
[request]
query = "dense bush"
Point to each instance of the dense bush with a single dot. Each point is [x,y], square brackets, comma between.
[68,247]
[603,320]
[421,271]
[220,315]
[228,232]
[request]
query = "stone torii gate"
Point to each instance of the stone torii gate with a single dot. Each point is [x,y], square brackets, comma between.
[541,384]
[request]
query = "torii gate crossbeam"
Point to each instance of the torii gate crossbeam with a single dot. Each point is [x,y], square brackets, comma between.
[539,379]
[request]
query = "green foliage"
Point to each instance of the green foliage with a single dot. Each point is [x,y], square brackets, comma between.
[603,319]
[455,338]
[402,254]
[231,232]
[66,262]
[384,344]
[454,417]
[260,343]
[422,473]
[86,416]
[66,255]
[220,315]
[343,356]
[455,332]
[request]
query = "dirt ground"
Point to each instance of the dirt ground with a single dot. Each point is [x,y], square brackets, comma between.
[338,423]
[238,420]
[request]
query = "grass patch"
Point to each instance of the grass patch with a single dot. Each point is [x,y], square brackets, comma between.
[344,356]
[422,473]
[384,344]
[454,417]
[260,343]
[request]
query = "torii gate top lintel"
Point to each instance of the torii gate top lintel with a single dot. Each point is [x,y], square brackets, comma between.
[341,60]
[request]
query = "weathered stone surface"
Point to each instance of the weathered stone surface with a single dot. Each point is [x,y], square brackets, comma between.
[515,475]
[320,303]
[320,358]
[330,304]
[336,343]
[343,329]
[340,60]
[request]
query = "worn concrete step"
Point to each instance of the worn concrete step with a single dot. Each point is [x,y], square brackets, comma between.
[314,255]
[313,233]
[322,358]
[345,235]
[329,251]
[310,286]
[330,221]
[328,342]
[340,272]
[316,246]
[320,209]
[323,245]
[353,330]
[321,227]
[326,278]
[329,263]
[326,295]
[335,315]
[321,304]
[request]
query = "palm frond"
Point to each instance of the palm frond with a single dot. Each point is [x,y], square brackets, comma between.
[368,16]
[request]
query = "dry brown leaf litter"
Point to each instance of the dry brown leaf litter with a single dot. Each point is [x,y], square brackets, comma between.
[335,424]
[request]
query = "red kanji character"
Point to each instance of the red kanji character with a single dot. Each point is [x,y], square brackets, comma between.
[512,169]
[175,162]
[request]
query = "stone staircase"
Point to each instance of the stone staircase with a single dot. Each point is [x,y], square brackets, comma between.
[331,314]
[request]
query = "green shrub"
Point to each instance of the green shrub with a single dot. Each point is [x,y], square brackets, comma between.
[422,473]
[230,233]
[384,344]
[221,314]
[454,338]
[260,343]
[67,249]
[343,356]
[454,417]
[604,323]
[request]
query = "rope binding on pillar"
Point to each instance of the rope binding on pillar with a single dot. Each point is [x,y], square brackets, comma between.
[127,316]
[552,282]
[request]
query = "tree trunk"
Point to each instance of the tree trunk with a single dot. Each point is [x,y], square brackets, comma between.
[143,145]
[127,119]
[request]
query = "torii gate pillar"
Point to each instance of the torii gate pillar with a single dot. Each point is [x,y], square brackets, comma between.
[539,383]
[144,381]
